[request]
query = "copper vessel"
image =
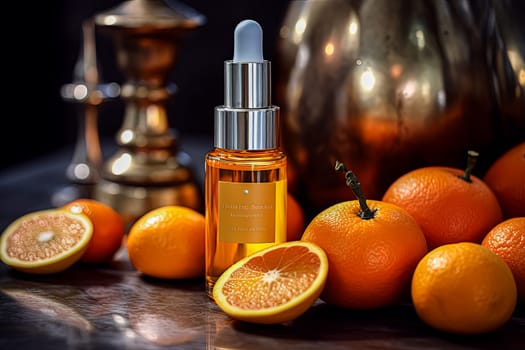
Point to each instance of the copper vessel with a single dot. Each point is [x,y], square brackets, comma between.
[389,86]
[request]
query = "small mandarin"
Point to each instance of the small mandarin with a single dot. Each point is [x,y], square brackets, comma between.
[463,288]
[168,242]
[372,248]
[295,220]
[449,204]
[506,178]
[507,240]
[108,229]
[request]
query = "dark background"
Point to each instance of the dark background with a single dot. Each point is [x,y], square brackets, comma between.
[41,42]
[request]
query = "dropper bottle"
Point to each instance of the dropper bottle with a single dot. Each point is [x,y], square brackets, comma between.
[245,174]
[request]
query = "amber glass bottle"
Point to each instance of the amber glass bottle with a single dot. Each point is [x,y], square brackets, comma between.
[245,177]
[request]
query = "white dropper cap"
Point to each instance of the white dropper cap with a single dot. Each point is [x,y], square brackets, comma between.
[247,120]
[248,39]
[247,75]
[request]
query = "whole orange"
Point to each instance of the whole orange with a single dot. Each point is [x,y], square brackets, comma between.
[168,242]
[507,240]
[108,229]
[506,178]
[295,219]
[372,249]
[448,207]
[463,288]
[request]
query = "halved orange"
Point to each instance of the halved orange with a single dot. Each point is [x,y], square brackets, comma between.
[45,241]
[274,285]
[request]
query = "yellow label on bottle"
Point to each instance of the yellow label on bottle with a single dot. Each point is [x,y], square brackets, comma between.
[246,212]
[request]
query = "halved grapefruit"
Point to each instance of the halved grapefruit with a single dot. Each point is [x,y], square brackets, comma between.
[45,241]
[274,285]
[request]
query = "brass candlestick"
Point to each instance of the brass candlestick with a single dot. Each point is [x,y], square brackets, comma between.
[148,171]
